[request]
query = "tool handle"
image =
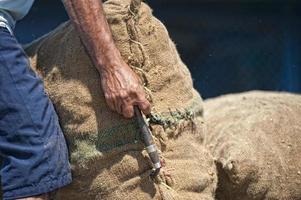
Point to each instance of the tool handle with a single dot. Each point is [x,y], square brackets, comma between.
[148,141]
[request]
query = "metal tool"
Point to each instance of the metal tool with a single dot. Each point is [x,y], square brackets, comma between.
[149,142]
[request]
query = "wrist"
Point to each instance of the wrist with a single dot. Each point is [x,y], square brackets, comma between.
[109,60]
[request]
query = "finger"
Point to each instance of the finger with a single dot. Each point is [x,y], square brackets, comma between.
[142,103]
[128,111]
[110,102]
[144,106]
[118,105]
[123,101]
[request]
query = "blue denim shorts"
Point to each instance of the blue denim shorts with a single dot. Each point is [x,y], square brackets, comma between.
[32,146]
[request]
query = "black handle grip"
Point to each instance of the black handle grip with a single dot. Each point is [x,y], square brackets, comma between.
[148,141]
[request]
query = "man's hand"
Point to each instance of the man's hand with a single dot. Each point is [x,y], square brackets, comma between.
[123,90]
[120,84]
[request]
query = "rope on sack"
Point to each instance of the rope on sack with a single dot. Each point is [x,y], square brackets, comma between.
[131,24]
[134,6]
[172,120]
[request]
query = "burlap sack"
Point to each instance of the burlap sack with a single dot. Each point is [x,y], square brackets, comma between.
[255,138]
[107,158]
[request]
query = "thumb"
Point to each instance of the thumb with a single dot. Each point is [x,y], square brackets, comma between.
[144,106]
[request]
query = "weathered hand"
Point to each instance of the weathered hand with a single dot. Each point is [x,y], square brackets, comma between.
[123,90]
[120,84]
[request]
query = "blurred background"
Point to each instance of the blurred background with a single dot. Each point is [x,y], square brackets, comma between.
[229,46]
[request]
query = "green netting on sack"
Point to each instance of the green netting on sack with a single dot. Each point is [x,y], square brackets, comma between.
[117,136]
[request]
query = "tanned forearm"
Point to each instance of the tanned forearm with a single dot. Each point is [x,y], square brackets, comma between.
[121,86]
[89,20]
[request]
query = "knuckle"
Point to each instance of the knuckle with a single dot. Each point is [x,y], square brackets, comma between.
[107,96]
[123,95]
[133,92]
[147,104]
[114,97]
[135,88]
[146,107]
[128,114]
[143,99]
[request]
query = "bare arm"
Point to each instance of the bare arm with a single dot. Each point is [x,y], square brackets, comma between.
[120,84]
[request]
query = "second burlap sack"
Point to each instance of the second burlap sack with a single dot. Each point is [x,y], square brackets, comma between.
[107,156]
[255,138]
